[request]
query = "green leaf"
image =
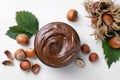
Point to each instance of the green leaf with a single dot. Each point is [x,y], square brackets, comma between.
[15,30]
[111,54]
[27,21]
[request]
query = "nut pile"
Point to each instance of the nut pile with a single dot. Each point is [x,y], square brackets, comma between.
[22,55]
[93,57]
[8,62]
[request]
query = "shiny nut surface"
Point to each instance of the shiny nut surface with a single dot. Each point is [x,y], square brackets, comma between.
[114,42]
[22,39]
[25,65]
[72,15]
[30,52]
[93,57]
[20,54]
[85,48]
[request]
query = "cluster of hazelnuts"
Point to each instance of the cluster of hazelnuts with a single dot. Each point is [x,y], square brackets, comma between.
[21,56]
[93,57]
[25,64]
[72,15]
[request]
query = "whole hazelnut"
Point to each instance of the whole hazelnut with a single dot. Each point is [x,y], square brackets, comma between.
[22,39]
[94,20]
[72,15]
[107,19]
[96,4]
[20,54]
[30,52]
[93,57]
[85,48]
[25,65]
[114,42]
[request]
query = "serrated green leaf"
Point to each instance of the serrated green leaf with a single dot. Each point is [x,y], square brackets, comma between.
[111,54]
[27,21]
[15,30]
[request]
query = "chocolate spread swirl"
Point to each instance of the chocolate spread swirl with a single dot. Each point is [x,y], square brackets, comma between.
[57,44]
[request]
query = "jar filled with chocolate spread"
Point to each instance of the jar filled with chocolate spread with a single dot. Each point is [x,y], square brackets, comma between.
[57,44]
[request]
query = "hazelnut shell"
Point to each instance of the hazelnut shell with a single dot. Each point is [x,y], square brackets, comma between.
[25,65]
[72,15]
[85,48]
[35,68]
[22,39]
[30,52]
[93,57]
[20,54]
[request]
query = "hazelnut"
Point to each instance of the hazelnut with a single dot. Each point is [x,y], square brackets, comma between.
[85,48]
[80,62]
[25,65]
[30,52]
[20,54]
[94,20]
[107,19]
[35,68]
[93,57]
[114,42]
[72,15]
[22,39]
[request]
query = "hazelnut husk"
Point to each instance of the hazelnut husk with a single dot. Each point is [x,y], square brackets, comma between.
[35,68]
[22,39]
[25,65]
[93,57]
[72,15]
[20,54]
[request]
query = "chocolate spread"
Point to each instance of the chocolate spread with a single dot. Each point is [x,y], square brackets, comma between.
[57,44]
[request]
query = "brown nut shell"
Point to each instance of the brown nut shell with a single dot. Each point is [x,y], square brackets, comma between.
[30,52]
[85,48]
[7,63]
[35,68]
[93,57]
[25,65]
[9,54]
[20,54]
[72,15]
[107,19]
[22,39]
